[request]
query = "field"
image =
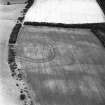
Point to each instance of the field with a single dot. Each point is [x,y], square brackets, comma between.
[75,75]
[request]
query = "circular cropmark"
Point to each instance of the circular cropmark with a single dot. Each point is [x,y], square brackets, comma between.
[38,50]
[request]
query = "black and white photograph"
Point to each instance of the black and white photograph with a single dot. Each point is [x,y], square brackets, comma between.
[52,52]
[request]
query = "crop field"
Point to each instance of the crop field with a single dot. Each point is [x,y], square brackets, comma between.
[75,73]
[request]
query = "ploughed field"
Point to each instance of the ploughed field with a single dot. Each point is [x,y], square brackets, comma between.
[63,66]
